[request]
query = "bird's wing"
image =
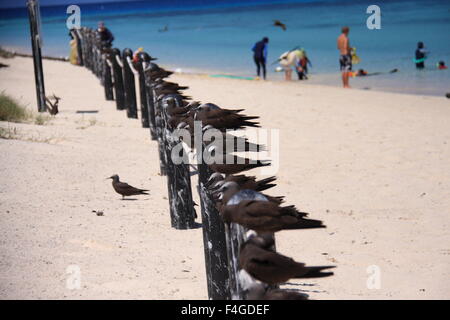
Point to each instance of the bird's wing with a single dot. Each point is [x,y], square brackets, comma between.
[124,185]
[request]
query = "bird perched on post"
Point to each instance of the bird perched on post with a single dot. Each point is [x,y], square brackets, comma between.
[232,190]
[217,180]
[267,216]
[124,188]
[278,23]
[270,267]
[211,114]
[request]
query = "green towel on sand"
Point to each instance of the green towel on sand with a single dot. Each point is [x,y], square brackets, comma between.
[230,76]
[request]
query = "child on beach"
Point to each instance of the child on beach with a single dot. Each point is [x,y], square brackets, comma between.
[302,66]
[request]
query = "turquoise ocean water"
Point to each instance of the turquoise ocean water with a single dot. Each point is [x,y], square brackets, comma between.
[216,36]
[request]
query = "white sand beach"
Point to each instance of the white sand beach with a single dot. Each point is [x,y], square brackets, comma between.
[373,166]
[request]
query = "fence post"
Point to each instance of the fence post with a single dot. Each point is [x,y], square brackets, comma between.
[118,79]
[235,237]
[214,241]
[182,212]
[128,83]
[77,35]
[107,77]
[150,100]
[159,125]
[144,58]
[36,42]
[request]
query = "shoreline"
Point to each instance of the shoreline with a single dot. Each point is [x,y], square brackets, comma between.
[372,165]
[324,79]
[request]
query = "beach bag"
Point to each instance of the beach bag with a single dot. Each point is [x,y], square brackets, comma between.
[355,58]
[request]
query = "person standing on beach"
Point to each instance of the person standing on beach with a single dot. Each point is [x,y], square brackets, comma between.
[345,59]
[260,56]
[105,36]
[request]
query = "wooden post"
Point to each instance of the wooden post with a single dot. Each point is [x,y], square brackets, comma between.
[128,84]
[36,42]
[77,35]
[107,77]
[159,130]
[235,237]
[150,101]
[182,212]
[118,79]
[144,59]
[214,241]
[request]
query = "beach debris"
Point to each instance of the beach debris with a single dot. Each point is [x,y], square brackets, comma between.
[278,23]
[3,65]
[98,213]
[262,263]
[124,188]
[51,103]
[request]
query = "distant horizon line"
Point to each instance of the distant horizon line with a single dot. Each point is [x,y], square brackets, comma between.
[14,6]
[63,4]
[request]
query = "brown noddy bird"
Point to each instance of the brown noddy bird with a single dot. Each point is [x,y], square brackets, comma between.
[238,165]
[211,114]
[230,188]
[124,188]
[220,119]
[267,217]
[278,23]
[217,180]
[271,267]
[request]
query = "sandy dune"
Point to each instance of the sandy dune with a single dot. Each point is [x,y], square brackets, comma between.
[374,166]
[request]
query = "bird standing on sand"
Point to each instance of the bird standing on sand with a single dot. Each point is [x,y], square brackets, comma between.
[124,188]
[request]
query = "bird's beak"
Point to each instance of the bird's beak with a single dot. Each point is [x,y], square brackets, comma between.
[108,178]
